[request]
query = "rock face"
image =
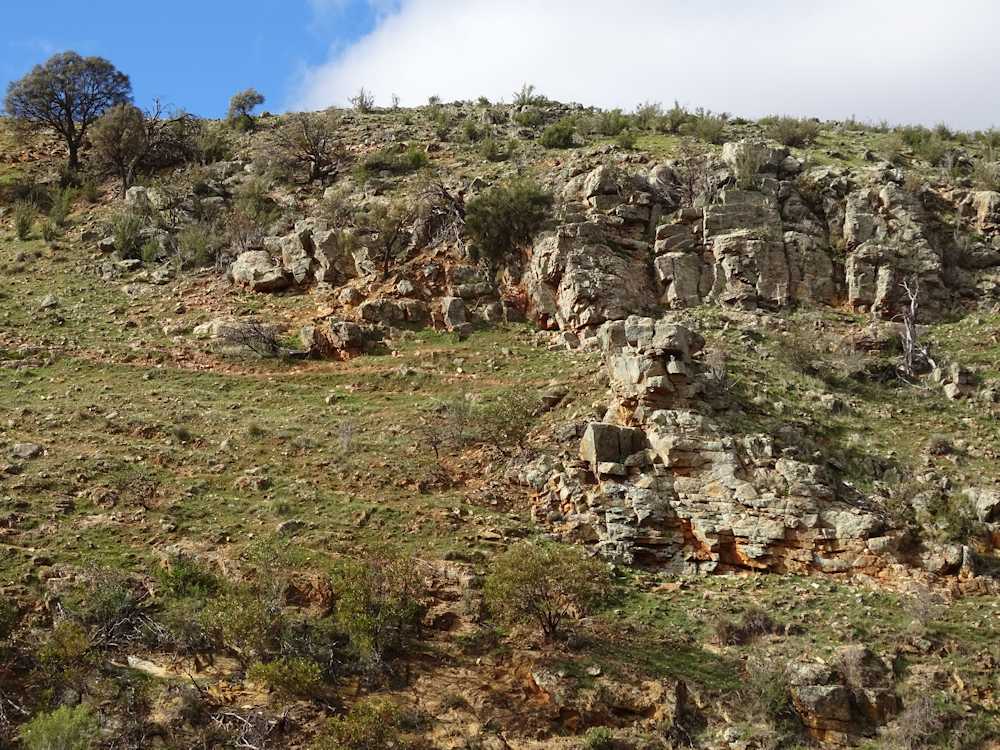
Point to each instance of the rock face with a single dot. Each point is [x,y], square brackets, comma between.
[824,236]
[659,484]
[255,269]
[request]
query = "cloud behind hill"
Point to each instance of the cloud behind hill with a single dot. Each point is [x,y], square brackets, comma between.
[900,60]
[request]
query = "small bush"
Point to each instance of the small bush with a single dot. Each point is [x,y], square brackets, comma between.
[527,97]
[150,252]
[705,127]
[627,140]
[90,191]
[184,578]
[394,161]
[599,738]
[506,420]
[65,655]
[496,150]
[505,218]
[63,729]
[363,101]
[258,337]
[371,724]
[472,132]
[529,118]
[559,134]
[211,145]
[126,228]
[379,602]
[246,622]
[986,175]
[766,695]
[673,119]
[793,132]
[24,219]
[754,623]
[62,203]
[290,679]
[749,159]
[545,584]
[10,616]
[49,231]
[647,115]
[198,245]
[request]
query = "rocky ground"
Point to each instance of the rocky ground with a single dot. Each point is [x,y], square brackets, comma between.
[695,373]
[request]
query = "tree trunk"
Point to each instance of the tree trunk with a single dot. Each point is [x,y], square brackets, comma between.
[74,156]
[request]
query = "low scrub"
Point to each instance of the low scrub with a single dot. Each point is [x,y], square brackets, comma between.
[505,219]
[126,229]
[705,127]
[794,132]
[371,724]
[65,728]
[395,161]
[559,134]
[546,585]
[24,219]
[289,678]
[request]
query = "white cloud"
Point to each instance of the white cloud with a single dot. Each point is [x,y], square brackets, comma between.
[901,60]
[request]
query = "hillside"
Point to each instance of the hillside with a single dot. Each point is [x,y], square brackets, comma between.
[255,424]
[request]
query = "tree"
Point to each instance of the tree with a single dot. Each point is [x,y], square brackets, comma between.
[310,139]
[505,218]
[388,226]
[546,584]
[126,139]
[68,93]
[242,105]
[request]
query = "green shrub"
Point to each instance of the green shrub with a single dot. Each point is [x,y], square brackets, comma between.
[599,738]
[953,519]
[63,729]
[611,123]
[754,623]
[246,622]
[150,252]
[505,218]
[559,134]
[472,132]
[765,695]
[793,132]
[24,219]
[506,420]
[394,161]
[647,115]
[90,191]
[989,138]
[527,97]
[545,584]
[212,145]
[673,119]
[705,127]
[65,656]
[925,143]
[380,602]
[10,616]
[198,245]
[627,139]
[62,203]
[495,150]
[49,231]
[184,577]
[986,175]
[371,724]
[290,678]
[126,229]
[529,118]
[363,101]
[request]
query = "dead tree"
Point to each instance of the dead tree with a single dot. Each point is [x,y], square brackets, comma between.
[914,354]
[310,139]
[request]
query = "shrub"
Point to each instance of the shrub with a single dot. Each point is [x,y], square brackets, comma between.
[611,123]
[363,101]
[793,132]
[472,132]
[126,229]
[394,160]
[527,97]
[441,124]
[245,622]
[289,678]
[673,119]
[112,606]
[495,150]
[211,144]
[765,694]
[198,245]
[647,115]
[599,738]
[507,419]
[309,140]
[749,159]
[150,252]
[545,584]
[502,219]
[258,337]
[371,724]
[706,127]
[529,118]
[62,202]
[10,616]
[755,622]
[24,218]
[65,655]
[63,729]
[184,578]
[986,175]
[559,134]
[49,231]
[626,139]
[90,191]
[379,602]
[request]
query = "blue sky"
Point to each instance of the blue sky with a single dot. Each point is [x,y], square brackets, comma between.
[904,61]
[192,54]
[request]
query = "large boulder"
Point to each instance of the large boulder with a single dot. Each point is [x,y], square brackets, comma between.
[256,270]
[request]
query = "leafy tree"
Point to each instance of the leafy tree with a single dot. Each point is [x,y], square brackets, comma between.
[505,218]
[545,584]
[126,139]
[388,227]
[68,93]
[242,105]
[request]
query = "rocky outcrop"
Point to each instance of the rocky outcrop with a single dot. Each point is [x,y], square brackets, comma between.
[257,271]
